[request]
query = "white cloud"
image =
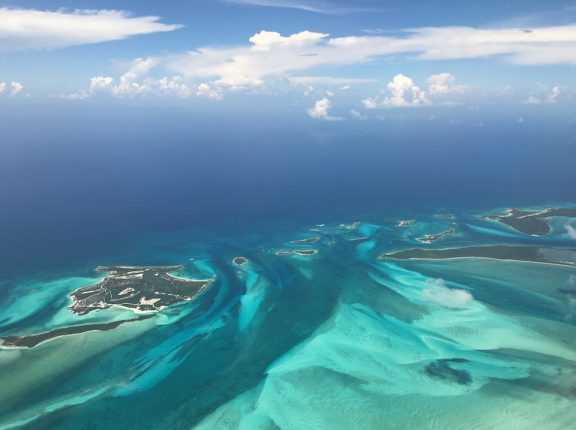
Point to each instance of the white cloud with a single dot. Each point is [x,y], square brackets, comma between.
[442,84]
[210,92]
[15,88]
[321,110]
[271,55]
[270,59]
[2,86]
[545,95]
[570,230]
[266,40]
[134,82]
[24,29]
[174,86]
[438,293]
[402,92]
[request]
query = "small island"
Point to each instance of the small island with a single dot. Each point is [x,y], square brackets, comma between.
[306,252]
[139,288]
[302,252]
[239,261]
[429,238]
[406,223]
[534,223]
[305,241]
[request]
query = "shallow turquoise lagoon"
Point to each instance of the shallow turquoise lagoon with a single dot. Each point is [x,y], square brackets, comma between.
[337,339]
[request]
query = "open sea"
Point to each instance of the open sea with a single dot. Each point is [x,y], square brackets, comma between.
[340,339]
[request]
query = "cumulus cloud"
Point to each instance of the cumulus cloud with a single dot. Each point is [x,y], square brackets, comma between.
[25,29]
[271,54]
[438,293]
[270,58]
[210,92]
[570,230]
[321,109]
[134,82]
[544,95]
[2,86]
[402,92]
[15,88]
[442,84]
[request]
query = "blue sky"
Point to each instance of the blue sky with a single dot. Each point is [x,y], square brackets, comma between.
[336,60]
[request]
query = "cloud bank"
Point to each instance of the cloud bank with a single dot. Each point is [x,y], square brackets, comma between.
[272,59]
[271,54]
[29,29]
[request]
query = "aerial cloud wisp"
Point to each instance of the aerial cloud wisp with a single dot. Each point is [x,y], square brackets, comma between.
[29,29]
[316,6]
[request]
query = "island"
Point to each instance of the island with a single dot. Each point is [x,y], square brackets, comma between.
[239,261]
[305,241]
[306,252]
[406,222]
[139,288]
[534,223]
[533,254]
[303,252]
[429,238]
[32,340]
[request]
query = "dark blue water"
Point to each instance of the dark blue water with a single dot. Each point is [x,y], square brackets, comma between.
[78,183]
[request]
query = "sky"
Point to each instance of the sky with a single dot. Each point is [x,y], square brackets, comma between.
[332,61]
[119,118]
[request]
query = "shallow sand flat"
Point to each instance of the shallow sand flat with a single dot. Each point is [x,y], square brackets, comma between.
[30,341]
[46,363]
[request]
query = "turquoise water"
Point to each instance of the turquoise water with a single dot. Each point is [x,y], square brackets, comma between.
[336,340]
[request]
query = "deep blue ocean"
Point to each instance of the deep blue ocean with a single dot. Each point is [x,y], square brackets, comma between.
[79,183]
